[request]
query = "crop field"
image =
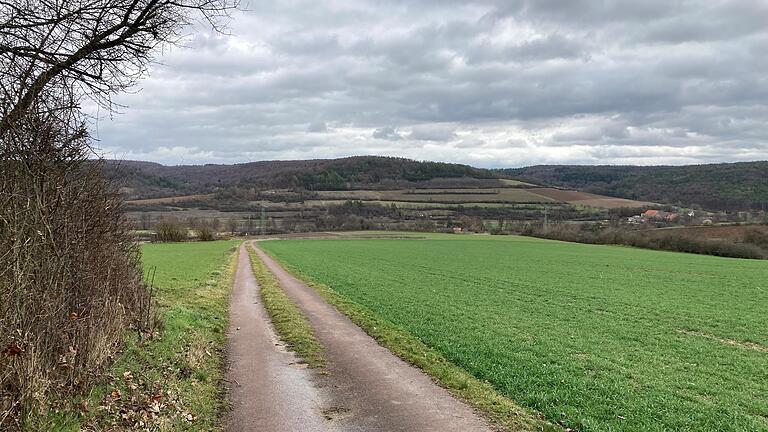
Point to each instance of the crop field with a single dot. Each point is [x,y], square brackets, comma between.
[594,337]
[492,195]
[420,204]
[170,200]
[510,195]
[587,199]
[516,183]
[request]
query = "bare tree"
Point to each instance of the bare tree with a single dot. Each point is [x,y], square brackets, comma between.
[205,232]
[146,221]
[72,48]
[70,279]
[232,224]
[170,230]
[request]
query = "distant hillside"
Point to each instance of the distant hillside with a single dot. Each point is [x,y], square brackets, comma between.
[728,186]
[151,180]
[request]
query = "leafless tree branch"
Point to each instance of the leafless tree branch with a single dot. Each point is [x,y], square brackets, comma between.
[100,46]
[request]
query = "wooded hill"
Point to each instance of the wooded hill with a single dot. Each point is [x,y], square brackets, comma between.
[150,180]
[727,186]
[731,186]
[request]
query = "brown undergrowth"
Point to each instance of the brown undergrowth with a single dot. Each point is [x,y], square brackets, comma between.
[70,278]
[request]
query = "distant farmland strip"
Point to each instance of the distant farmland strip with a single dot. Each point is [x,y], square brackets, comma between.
[586,199]
[516,183]
[170,200]
[478,197]
[499,195]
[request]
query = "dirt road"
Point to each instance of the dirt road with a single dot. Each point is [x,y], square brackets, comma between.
[363,388]
[268,391]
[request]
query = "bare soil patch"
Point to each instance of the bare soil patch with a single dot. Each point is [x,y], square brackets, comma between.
[586,199]
[169,200]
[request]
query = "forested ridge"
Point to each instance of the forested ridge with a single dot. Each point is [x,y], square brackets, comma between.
[147,179]
[726,186]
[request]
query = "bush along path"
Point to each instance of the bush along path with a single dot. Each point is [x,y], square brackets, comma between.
[171,380]
[362,387]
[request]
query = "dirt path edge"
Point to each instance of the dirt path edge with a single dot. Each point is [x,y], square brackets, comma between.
[374,390]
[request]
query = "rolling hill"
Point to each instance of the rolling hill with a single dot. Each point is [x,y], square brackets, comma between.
[351,193]
[732,186]
[726,186]
[399,194]
[143,180]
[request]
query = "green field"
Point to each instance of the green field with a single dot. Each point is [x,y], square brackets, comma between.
[594,337]
[192,282]
[174,380]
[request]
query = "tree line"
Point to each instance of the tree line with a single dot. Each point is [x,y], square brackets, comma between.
[150,180]
[726,186]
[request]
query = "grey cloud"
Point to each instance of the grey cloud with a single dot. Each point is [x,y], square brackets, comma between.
[551,46]
[573,80]
[615,130]
[387,133]
[318,127]
[470,143]
[432,132]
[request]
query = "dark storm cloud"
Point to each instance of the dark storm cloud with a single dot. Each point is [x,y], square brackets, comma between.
[501,83]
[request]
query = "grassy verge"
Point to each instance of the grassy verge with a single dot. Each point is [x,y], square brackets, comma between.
[173,380]
[480,394]
[291,325]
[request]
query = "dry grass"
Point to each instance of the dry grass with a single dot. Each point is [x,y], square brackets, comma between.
[70,278]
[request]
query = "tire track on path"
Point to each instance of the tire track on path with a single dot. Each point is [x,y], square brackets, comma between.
[267,389]
[365,387]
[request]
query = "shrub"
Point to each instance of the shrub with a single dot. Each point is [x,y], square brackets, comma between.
[594,234]
[170,231]
[70,276]
[205,232]
[757,238]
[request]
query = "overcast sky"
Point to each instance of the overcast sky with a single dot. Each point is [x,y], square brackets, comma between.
[490,83]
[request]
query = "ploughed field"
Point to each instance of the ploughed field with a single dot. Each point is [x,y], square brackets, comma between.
[594,337]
